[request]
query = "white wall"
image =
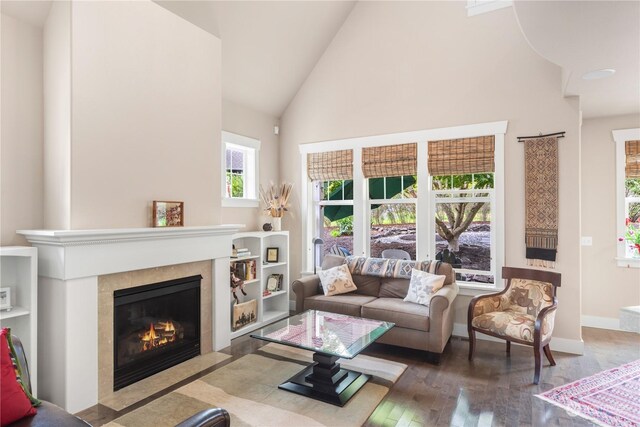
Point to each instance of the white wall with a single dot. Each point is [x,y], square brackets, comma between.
[21,163]
[401,66]
[57,117]
[605,287]
[146,109]
[254,124]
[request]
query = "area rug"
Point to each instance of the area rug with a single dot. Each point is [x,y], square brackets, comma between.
[248,389]
[609,398]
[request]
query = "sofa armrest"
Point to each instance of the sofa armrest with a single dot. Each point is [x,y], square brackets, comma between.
[305,287]
[441,316]
[212,417]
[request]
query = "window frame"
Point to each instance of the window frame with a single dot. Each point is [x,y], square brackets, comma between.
[424,226]
[251,149]
[620,137]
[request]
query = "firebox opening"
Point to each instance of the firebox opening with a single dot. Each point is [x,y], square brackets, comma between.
[156,326]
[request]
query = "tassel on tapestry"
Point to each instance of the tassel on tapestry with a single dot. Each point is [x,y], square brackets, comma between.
[541,195]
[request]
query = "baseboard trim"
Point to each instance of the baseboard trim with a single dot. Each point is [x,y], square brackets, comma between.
[563,345]
[601,322]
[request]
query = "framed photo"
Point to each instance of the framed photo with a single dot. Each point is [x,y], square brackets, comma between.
[274,282]
[5,299]
[168,214]
[244,313]
[272,254]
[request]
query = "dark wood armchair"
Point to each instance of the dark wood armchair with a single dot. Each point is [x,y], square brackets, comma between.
[524,312]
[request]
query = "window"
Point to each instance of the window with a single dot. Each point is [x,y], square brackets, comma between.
[427,196]
[240,156]
[463,226]
[628,196]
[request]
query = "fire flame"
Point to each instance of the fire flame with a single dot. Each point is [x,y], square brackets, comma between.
[158,336]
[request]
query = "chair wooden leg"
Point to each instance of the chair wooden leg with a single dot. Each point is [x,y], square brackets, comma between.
[509,348]
[472,343]
[537,355]
[547,352]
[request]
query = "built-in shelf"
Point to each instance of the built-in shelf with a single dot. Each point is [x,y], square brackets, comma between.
[244,258]
[272,316]
[14,312]
[275,294]
[274,306]
[273,264]
[19,273]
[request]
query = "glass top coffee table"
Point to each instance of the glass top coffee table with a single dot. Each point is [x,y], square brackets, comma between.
[331,337]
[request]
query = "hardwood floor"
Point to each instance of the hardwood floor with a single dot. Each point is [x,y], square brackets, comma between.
[493,390]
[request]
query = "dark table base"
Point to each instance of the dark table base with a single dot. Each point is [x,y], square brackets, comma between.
[324,380]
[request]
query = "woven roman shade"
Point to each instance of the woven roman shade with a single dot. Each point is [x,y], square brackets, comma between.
[462,156]
[390,160]
[330,165]
[632,159]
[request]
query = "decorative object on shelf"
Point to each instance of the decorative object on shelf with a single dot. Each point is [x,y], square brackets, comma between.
[236,283]
[276,201]
[272,254]
[244,313]
[267,226]
[266,293]
[274,282]
[5,299]
[541,199]
[168,214]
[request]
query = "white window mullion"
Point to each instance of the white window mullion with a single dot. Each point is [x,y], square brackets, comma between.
[360,227]
[497,212]
[425,249]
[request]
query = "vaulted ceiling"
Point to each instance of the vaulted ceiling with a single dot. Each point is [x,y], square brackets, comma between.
[270,47]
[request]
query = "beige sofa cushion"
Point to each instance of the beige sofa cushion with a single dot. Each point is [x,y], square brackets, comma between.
[403,314]
[350,304]
[393,288]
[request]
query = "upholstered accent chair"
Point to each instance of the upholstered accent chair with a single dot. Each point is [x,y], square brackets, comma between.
[523,312]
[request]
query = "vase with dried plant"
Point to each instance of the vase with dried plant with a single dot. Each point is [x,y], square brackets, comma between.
[276,201]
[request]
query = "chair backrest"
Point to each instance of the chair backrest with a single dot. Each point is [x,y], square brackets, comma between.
[530,290]
[339,250]
[396,254]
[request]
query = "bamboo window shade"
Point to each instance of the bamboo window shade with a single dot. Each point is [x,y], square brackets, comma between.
[390,160]
[462,156]
[330,165]
[632,159]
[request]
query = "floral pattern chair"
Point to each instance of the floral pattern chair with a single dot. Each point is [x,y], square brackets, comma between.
[523,312]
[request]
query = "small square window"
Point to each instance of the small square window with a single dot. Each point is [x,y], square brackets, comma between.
[240,170]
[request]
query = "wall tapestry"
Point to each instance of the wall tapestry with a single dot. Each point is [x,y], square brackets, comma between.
[541,195]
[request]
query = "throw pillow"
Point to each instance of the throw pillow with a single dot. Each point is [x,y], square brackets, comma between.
[337,280]
[14,403]
[422,286]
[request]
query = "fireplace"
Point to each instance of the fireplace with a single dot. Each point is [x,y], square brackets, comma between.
[155,327]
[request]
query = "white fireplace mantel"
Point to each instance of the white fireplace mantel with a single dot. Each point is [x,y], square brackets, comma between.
[71,254]
[69,264]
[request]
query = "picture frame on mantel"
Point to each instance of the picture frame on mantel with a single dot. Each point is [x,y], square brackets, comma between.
[168,214]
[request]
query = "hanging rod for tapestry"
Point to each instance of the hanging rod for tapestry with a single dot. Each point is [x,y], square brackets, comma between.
[558,134]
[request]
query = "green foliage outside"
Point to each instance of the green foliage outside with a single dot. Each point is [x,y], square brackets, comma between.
[345,227]
[632,189]
[237,183]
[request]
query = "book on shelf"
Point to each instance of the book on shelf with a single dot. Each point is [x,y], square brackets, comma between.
[246,270]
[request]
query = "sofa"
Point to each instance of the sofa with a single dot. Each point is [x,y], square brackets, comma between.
[50,415]
[382,285]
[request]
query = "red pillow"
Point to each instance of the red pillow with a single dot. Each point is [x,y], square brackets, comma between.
[14,403]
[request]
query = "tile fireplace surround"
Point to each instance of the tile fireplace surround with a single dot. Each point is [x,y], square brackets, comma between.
[76,271]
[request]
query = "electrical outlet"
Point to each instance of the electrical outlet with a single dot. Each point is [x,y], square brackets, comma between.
[586,241]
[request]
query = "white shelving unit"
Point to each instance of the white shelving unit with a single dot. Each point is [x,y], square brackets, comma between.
[271,307]
[19,271]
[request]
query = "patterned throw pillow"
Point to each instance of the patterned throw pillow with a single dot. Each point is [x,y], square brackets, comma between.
[336,280]
[422,286]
